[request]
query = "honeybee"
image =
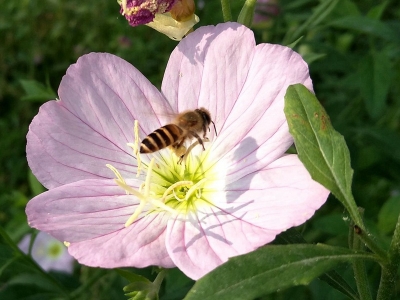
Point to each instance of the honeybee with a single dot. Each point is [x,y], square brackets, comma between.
[187,125]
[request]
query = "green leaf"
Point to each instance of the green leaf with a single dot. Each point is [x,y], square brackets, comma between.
[321,149]
[377,11]
[294,44]
[292,236]
[320,14]
[141,291]
[311,57]
[132,277]
[269,269]
[375,75]
[388,215]
[247,13]
[368,26]
[36,91]
[140,287]
[36,187]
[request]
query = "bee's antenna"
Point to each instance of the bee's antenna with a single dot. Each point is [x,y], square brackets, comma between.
[214,128]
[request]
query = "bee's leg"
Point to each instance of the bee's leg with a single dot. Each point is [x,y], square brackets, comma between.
[198,139]
[205,132]
[178,148]
[178,144]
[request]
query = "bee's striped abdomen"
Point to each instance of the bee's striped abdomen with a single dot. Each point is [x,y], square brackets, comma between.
[161,138]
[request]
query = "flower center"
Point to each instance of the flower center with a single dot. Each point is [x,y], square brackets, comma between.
[171,185]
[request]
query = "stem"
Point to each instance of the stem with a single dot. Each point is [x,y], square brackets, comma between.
[389,270]
[370,243]
[226,10]
[360,273]
[159,279]
[357,224]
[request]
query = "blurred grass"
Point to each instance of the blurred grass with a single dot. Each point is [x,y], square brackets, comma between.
[353,47]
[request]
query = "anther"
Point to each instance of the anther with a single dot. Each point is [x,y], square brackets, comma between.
[175,185]
[194,188]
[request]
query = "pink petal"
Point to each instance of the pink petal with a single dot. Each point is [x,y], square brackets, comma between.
[91,214]
[254,210]
[280,196]
[211,73]
[205,241]
[101,96]
[256,132]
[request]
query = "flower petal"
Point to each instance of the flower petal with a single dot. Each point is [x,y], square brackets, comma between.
[212,73]
[205,241]
[257,118]
[73,138]
[280,196]
[91,214]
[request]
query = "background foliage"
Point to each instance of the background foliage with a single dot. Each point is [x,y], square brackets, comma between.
[353,48]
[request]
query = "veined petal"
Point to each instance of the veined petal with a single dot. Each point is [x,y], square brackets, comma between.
[206,240]
[100,97]
[280,196]
[251,137]
[91,216]
[212,73]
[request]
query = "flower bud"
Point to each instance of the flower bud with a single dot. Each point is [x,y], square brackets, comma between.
[174,18]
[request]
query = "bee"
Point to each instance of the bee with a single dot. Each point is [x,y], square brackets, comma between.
[187,125]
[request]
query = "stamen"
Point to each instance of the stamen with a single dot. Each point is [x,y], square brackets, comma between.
[148,177]
[198,194]
[130,190]
[194,188]
[161,204]
[177,197]
[67,243]
[137,212]
[184,156]
[117,173]
[135,147]
[175,185]
[144,198]
[141,187]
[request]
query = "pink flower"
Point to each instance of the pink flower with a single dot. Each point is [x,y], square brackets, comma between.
[48,252]
[228,200]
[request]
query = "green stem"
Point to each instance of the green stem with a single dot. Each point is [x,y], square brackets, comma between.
[360,273]
[363,235]
[389,270]
[159,279]
[360,230]
[226,10]
[353,211]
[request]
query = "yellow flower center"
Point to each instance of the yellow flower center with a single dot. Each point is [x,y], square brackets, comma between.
[172,185]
